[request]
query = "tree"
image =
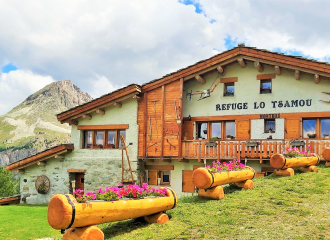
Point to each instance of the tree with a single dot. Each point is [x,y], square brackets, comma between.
[7,185]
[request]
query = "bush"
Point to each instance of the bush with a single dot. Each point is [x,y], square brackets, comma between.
[8,187]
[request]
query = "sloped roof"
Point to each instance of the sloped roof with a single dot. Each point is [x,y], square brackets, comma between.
[41,156]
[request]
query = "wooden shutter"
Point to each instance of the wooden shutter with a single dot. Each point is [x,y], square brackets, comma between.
[292,128]
[152,177]
[187,130]
[187,183]
[243,129]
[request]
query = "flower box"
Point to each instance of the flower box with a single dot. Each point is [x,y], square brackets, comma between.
[251,143]
[279,161]
[297,143]
[311,135]
[60,213]
[211,144]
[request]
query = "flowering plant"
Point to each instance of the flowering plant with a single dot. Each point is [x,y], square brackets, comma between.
[115,193]
[234,165]
[294,152]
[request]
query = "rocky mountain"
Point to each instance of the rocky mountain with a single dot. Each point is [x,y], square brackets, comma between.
[32,126]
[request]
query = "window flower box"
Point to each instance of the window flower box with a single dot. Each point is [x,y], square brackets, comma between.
[297,143]
[311,135]
[252,143]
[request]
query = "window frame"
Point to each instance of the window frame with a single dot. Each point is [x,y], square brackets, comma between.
[317,128]
[105,138]
[265,124]
[209,129]
[160,174]
[225,92]
[264,91]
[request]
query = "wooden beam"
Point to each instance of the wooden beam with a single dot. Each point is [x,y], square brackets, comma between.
[103,127]
[221,70]
[160,167]
[59,156]
[266,76]
[70,170]
[85,116]
[118,104]
[181,118]
[41,163]
[297,75]
[317,78]
[241,62]
[258,66]
[200,79]
[148,160]
[136,97]
[73,122]
[100,111]
[278,70]
[228,80]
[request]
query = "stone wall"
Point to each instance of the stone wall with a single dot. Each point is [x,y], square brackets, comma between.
[103,166]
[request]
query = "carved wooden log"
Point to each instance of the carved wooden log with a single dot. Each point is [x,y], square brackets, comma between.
[278,161]
[159,218]
[203,178]
[214,193]
[284,172]
[308,169]
[86,233]
[326,154]
[248,184]
[64,211]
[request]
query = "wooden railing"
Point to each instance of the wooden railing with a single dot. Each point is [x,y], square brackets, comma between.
[253,149]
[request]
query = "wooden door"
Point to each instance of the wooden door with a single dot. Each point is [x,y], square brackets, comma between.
[80,181]
[243,129]
[292,128]
[187,183]
[152,177]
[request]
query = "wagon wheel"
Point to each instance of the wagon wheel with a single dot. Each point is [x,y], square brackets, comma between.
[42,184]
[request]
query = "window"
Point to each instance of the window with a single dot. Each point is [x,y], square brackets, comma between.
[229,89]
[202,130]
[216,130]
[269,125]
[309,128]
[265,86]
[103,138]
[325,128]
[230,129]
[219,130]
[165,177]
[159,177]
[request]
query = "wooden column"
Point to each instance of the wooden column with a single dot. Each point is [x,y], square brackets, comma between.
[181,118]
[163,124]
[145,119]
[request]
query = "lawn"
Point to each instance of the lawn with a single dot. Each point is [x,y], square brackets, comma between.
[277,208]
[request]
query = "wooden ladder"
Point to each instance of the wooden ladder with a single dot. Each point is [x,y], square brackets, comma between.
[123,169]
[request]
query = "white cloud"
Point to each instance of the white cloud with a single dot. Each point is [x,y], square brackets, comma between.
[16,86]
[115,43]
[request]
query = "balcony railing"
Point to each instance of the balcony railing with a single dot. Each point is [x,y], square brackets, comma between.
[253,149]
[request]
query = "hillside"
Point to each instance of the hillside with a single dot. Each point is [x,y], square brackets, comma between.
[32,125]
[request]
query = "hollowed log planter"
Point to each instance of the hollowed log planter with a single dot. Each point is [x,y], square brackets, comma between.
[284,166]
[209,182]
[64,212]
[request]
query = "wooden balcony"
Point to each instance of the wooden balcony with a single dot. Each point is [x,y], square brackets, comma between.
[250,149]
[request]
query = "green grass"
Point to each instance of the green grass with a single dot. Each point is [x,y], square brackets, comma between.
[277,208]
[24,222]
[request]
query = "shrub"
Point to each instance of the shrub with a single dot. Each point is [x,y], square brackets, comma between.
[8,187]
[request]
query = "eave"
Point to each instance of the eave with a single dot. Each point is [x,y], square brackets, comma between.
[40,157]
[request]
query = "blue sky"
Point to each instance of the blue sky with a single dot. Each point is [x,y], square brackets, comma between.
[8,68]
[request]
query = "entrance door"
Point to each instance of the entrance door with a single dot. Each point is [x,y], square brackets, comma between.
[187,183]
[80,181]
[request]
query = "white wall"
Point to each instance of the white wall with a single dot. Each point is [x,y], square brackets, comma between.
[258,129]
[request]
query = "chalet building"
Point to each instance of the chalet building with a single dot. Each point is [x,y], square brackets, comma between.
[244,103]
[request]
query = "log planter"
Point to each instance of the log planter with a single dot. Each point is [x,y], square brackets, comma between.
[64,212]
[209,183]
[284,166]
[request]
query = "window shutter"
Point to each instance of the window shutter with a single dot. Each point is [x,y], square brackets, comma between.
[292,128]
[152,177]
[187,183]
[243,129]
[187,130]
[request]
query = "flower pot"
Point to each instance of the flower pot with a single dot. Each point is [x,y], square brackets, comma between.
[60,213]
[251,144]
[211,144]
[203,178]
[279,161]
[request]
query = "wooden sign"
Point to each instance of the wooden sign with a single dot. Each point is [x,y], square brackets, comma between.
[270,116]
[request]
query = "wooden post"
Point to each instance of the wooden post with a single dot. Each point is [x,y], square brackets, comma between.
[145,119]
[163,120]
[181,118]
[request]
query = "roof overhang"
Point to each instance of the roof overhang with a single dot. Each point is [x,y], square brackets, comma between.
[56,152]
[97,105]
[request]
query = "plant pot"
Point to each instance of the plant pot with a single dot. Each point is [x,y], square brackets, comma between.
[211,144]
[60,212]
[279,161]
[204,179]
[297,143]
[251,144]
